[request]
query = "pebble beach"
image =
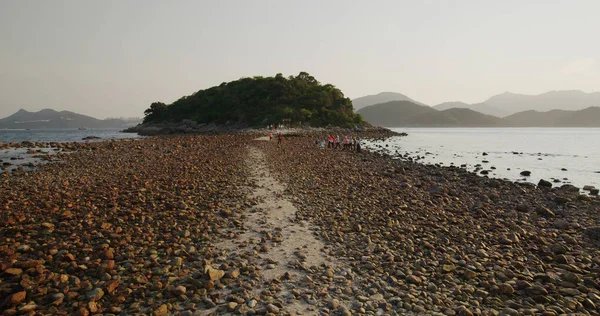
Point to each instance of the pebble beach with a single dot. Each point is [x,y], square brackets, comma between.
[234,224]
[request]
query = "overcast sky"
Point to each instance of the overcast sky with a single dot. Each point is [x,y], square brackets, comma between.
[113,58]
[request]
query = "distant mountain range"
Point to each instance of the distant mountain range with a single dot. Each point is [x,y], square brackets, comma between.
[382,97]
[478,107]
[409,114]
[504,104]
[49,118]
[571,100]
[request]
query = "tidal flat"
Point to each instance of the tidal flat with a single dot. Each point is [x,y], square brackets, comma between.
[194,225]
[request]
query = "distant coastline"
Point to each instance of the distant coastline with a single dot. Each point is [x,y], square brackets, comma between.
[409,114]
[52,119]
[565,108]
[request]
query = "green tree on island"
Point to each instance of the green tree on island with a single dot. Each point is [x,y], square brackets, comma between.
[156,111]
[260,101]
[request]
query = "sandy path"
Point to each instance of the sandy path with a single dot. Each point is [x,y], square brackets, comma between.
[279,215]
[288,246]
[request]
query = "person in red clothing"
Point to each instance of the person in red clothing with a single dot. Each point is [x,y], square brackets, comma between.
[270,136]
[279,139]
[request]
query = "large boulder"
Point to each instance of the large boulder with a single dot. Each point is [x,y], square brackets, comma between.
[544,184]
[569,188]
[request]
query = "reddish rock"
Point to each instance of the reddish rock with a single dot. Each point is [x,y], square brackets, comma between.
[13,271]
[30,264]
[4,265]
[18,297]
[111,286]
[108,265]
[95,294]
[92,307]
[108,254]
[68,257]
[161,310]
[72,295]
[413,279]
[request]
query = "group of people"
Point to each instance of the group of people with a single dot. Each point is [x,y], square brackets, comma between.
[351,143]
[273,127]
[279,137]
[347,143]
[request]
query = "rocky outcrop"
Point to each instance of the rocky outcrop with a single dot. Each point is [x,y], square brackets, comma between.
[544,183]
[191,127]
[183,127]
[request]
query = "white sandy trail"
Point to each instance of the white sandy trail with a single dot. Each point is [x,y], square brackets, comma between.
[291,240]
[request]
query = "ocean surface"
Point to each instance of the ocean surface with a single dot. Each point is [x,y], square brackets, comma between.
[546,152]
[15,158]
[61,135]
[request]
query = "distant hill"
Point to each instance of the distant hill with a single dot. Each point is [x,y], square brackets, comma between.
[49,118]
[382,97]
[478,107]
[454,117]
[394,113]
[408,114]
[501,105]
[533,118]
[589,117]
[507,103]
[451,105]
[570,100]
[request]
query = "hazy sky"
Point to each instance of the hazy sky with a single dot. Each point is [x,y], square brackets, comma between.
[113,58]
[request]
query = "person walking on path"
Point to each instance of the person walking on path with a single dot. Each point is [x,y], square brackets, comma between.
[357,144]
[279,139]
[270,136]
[346,143]
[337,142]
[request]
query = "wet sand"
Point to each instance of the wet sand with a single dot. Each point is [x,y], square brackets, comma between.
[195,225]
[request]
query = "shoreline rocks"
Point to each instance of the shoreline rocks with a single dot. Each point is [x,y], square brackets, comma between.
[191,127]
[127,227]
[106,226]
[482,240]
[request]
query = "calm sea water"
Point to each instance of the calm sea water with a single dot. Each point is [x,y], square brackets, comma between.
[19,158]
[61,135]
[543,151]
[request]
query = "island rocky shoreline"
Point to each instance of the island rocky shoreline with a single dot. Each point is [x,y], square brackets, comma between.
[190,127]
[135,227]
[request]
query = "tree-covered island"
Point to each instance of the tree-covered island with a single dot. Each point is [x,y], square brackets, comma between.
[259,101]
